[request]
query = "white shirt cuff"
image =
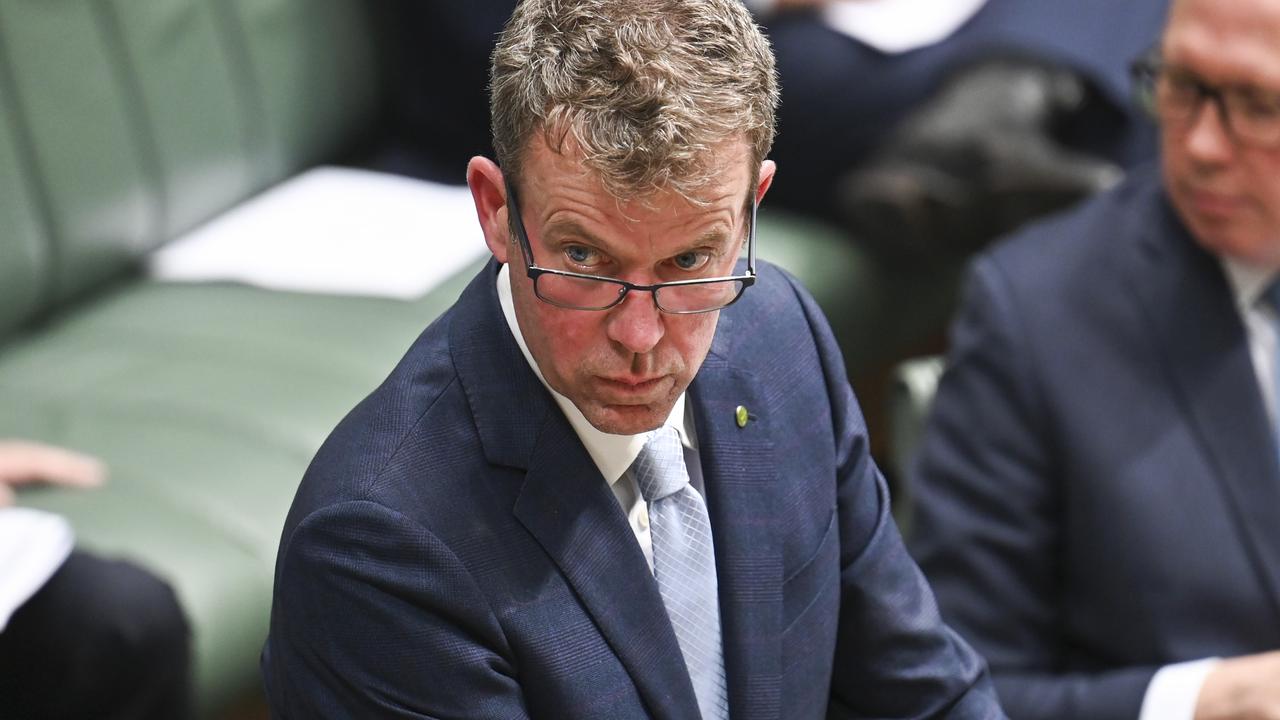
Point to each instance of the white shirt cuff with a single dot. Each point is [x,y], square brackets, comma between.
[1174,690]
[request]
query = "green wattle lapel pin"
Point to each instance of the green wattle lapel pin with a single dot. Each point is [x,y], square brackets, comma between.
[741,416]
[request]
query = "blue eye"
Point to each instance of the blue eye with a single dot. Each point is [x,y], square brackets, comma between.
[690,260]
[582,255]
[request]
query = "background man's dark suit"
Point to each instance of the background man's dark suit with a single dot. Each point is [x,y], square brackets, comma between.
[453,550]
[1099,488]
[841,98]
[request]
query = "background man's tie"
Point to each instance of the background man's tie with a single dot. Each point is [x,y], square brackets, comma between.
[684,565]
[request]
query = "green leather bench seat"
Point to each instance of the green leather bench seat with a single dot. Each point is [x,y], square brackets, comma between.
[207,402]
[122,125]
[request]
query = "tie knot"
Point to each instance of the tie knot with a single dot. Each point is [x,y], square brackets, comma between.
[659,469]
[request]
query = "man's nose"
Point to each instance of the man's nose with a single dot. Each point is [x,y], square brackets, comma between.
[1208,139]
[636,323]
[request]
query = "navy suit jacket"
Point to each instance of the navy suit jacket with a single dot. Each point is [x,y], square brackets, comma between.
[1099,491]
[454,552]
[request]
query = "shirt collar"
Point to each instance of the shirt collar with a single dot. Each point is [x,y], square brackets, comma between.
[1248,282]
[612,454]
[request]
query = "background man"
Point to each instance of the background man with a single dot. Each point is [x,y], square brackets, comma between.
[588,491]
[1099,488]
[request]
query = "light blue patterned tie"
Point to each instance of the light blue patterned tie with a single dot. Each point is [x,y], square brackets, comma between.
[684,565]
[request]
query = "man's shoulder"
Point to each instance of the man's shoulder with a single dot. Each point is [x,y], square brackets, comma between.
[778,336]
[365,441]
[407,437]
[775,317]
[1085,246]
[773,304]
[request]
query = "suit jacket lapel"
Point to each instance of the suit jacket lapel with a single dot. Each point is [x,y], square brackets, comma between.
[568,507]
[740,477]
[1198,330]
[565,504]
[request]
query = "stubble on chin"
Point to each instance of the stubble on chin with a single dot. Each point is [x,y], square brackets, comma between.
[627,420]
[624,418]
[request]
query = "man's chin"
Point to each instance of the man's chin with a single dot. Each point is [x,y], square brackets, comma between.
[1242,244]
[627,419]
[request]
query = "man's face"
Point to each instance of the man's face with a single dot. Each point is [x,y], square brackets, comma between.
[1227,191]
[623,367]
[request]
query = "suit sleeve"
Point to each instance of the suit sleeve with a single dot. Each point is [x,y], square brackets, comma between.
[987,531]
[894,656]
[374,617]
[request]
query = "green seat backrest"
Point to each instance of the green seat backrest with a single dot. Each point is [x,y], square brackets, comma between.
[23,256]
[87,173]
[315,75]
[124,123]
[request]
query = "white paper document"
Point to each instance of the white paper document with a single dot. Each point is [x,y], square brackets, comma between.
[335,231]
[33,545]
[897,26]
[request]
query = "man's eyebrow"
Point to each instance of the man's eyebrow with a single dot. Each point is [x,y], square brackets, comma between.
[564,226]
[571,228]
[715,236]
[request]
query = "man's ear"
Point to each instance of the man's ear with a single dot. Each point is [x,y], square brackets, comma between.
[489,192]
[767,169]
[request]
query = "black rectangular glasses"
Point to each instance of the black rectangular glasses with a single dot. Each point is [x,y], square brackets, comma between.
[1174,94]
[579,291]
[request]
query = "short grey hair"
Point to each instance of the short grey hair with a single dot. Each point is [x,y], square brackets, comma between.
[648,90]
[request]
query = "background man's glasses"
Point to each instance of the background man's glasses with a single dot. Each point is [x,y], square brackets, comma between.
[578,291]
[1175,95]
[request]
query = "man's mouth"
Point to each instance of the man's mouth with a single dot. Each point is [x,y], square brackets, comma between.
[627,389]
[1214,204]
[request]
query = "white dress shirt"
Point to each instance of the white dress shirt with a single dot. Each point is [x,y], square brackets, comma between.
[1248,283]
[1174,690]
[613,454]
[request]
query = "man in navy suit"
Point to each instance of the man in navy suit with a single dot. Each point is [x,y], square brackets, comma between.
[1099,488]
[474,539]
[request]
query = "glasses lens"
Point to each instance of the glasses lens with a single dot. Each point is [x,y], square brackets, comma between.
[1178,94]
[574,292]
[1255,116]
[1252,115]
[701,297]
